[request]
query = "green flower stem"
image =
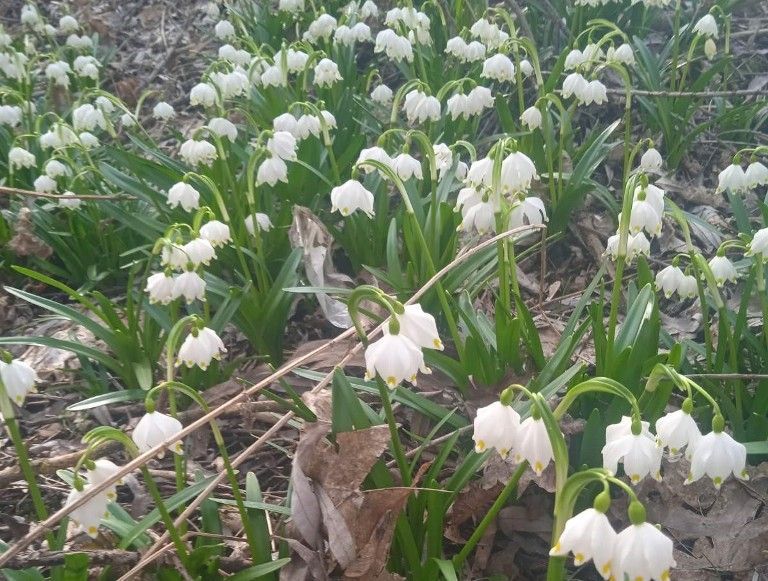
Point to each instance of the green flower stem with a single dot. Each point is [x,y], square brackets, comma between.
[397,445]
[676,45]
[760,279]
[173,532]
[490,516]
[12,427]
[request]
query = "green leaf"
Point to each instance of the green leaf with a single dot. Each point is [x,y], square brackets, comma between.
[259,570]
[107,398]
[78,348]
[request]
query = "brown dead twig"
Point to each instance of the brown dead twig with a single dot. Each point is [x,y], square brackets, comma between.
[703,94]
[92,197]
[40,530]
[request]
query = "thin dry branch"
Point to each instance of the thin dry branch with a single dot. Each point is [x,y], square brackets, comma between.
[5,190]
[43,527]
[703,94]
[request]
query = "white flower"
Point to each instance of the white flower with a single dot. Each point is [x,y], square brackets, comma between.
[458,106]
[644,553]
[496,427]
[351,196]
[203,94]
[477,213]
[328,118]
[624,428]
[499,67]
[87,118]
[623,55]
[87,66]
[223,128]
[295,60]
[688,287]
[395,358]
[480,172]
[307,125]
[200,347]
[19,380]
[173,256]
[758,245]
[68,200]
[258,221]
[127,120]
[230,54]
[396,47]
[87,518]
[528,212]
[373,154]
[643,216]
[717,455]
[589,536]
[231,84]
[88,140]
[184,195]
[419,327]
[457,47]
[574,60]
[406,167]
[369,9]
[676,430]
[103,470]
[58,136]
[160,288]
[532,444]
[163,111]
[526,68]
[593,52]
[706,26]
[291,5]
[272,170]
[216,232]
[443,157]
[651,161]
[593,92]
[282,144]
[478,99]
[732,178]
[637,245]
[574,84]
[517,172]
[640,454]
[19,157]
[155,428]
[44,184]
[382,95]
[10,115]
[199,251]
[285,122]
[105,104]
[723,270]
[189,285]
[30,16]
[58,72]
[756,175]
[224,30]
[420,107]
[322,27]
[196,152]
[531,118]
[326,73]
[669,280]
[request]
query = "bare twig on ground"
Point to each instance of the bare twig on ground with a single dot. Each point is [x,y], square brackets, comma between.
[29,193]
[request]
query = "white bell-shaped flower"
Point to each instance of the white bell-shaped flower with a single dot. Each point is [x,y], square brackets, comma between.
[69,200]
[103,470]
[272,170]
[458,106]
[732,178]
[87,518]
[382,95]
[184,195]
[374,154]
[308,125]
[351,196]
[173,256]
[160,288]
[517,172]
[574,85]
[589,536]
[496,426]
[200,347]
[55,169]
[396,47]
[723,270]
[642,552]
[406,167]
[282,144]
[758,246]
[420,107]
[499,67]
[706,26]
[285,122]
[669,279]
[475,52]
[153,429]
[526,68]
[643,216]
[199,251]
[258,221]
[203,94]
[419,327]
[676,430]
[10,115]
[528,212]
[216,232]
[593,92]
[533,445]
[456,46]
[394,358]
[653,195]
[326,73]
[197,153]
[480,172]
[531,118]
[224,30]
[651,161]
[623,55]
[477,213]
[756,175]
[479,99]
[189,285]
[574,60]
[18,157]
[87,118]
[640,454]
[718,456]
[19,379]
[163,111]
[221,127]
[44,184]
